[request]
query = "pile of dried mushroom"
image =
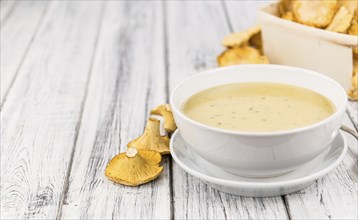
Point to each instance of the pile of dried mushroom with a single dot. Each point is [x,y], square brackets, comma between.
[140,163]
[243,48]
[332,15]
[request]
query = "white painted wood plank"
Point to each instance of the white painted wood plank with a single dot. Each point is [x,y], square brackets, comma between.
[6,8]
[40,117]
[194,33]
[335,195]
[127,80]
[331,197]
[243,14]
[16,36]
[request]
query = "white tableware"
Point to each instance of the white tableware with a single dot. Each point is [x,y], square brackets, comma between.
[259,154]
[294,44]
[257,187]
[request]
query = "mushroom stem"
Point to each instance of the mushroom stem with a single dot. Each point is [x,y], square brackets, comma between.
[151,138]
[131,152]
[166,112]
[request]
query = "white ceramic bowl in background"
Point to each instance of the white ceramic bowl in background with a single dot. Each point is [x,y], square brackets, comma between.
[259,154]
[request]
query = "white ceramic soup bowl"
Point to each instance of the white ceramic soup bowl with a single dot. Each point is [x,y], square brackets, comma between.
[259,154]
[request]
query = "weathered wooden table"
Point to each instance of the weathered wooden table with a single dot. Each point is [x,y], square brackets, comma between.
[77,81]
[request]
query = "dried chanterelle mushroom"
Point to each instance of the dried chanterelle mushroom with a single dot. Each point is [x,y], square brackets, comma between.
[316,13]
[241,55]
[151,139]
[341,21]
[353,92]
[353,29]
[243,48]
[241,38]
[134,167]
[166,112]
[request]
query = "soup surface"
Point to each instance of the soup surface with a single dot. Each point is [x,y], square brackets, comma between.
[258,107]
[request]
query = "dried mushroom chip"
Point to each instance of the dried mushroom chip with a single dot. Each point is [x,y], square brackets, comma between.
[239,39]
[280,9]
[151,139]
[355,53]
[341,21]
[134,167]
[353,29]
[355,65]
[317,13]
[241,55]
[353,92]
[256,41]
[351,5]
[166,112]
[284,6]
[288,16]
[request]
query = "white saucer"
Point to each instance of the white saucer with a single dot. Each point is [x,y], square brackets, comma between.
[226,182]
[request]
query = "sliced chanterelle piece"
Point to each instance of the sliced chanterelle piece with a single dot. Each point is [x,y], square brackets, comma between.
[151,139]
[241,55]
[316,13]
[166,112]
[351,5]
[288,16]
[284,6]
[353,92]
[241,38]
[134,167]
[256,41]
[353,29]
[341,21]
[355,53]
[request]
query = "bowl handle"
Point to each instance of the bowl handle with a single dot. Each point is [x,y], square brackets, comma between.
[350,131]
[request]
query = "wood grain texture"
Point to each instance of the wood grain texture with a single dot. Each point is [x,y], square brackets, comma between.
[128,80]
[16,37]
[40,117]
[194,31]
[331,197]
[6,7]
[335,195]
[84,86]
[242,15]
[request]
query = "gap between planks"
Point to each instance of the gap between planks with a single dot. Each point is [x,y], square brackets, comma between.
[6,10]
[26,50]
[98,139]
[78,126]
[167,92]
[41,198]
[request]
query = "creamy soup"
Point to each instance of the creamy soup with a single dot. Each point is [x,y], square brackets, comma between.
[259,107]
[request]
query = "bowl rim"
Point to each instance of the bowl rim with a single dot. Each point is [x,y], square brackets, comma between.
[340,109]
